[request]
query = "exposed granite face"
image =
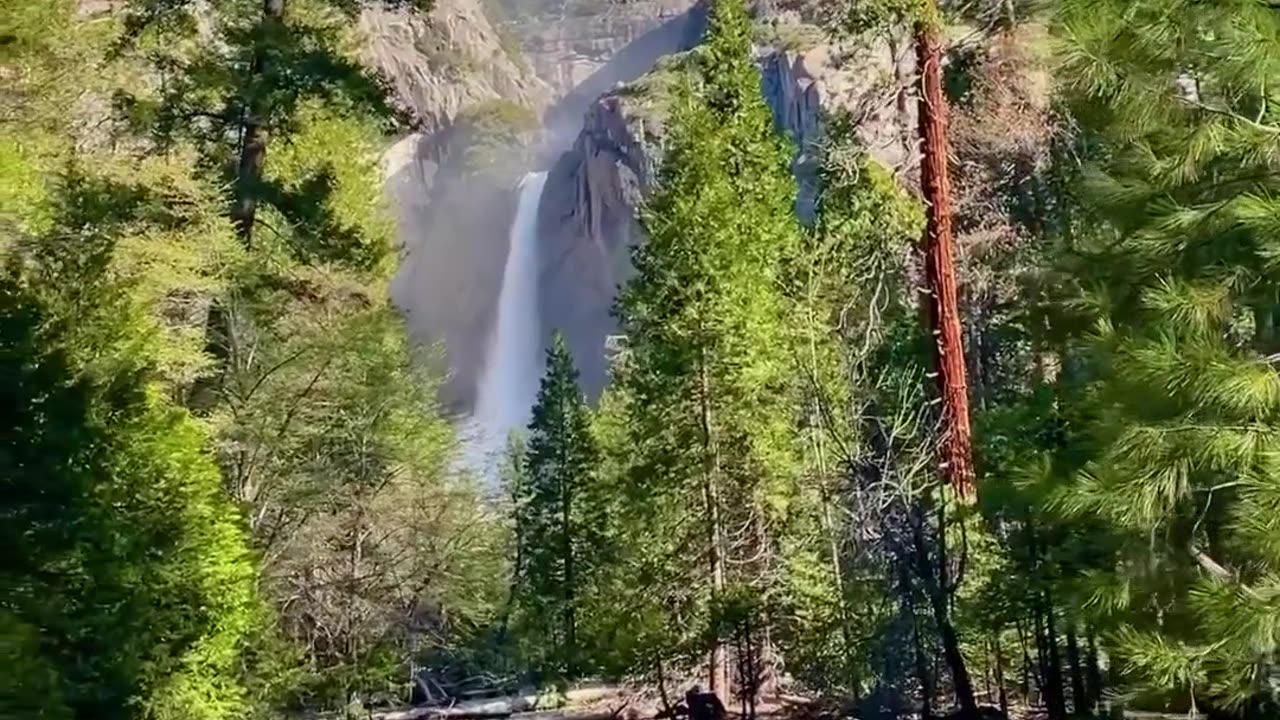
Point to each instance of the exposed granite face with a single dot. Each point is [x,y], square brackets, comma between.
[442,63]
[453,196]
[587,220]
[450,184]
[568,41]
[587,225]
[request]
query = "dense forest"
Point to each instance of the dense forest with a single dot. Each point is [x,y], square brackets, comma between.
[992,432]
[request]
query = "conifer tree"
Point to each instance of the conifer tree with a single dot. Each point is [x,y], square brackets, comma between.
[706,357]
[132,591]
[1178,100]
[560,520]
[937,246]
[278,332]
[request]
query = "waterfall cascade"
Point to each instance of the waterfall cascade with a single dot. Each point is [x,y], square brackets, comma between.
[508,385]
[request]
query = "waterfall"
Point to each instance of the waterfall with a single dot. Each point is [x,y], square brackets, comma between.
[513,367]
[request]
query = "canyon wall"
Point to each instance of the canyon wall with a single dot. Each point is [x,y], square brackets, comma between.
[476,105]
[588,212]
[480,74]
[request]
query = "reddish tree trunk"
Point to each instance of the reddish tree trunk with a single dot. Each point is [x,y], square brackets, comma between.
[939,251]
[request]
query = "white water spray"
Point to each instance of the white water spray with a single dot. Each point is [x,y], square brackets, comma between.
[513,364]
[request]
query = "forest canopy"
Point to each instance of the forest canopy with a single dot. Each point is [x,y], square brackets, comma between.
[988,424]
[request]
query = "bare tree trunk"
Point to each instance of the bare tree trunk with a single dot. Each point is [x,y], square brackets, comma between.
[711,497]
[1079,699]
[1055,700]
[751,663]
[999,672]
[253,144]
[1093,674]
[662,685]
[939,251]
[937,591]
[570,590]
[922,666]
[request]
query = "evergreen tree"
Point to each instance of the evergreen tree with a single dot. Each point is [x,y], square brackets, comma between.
[131,590]
[1179,411]
[707,366]
[559,517]
[285,347]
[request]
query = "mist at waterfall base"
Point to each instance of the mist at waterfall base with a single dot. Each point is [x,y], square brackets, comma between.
[508,385]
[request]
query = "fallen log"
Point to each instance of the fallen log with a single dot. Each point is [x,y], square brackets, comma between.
[788,699]
[526,707]
[443,713]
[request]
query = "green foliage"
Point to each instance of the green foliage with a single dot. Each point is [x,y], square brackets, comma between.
[855,337]
[704,376]
[132,580]
[132,305]
[561,519]
[1119,472]
[788,36]
[877,16]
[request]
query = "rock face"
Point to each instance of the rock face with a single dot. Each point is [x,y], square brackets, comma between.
[442,63]
[569,41]
[587,225]
[598,71]
[455,68]
[588,214]
[450,184]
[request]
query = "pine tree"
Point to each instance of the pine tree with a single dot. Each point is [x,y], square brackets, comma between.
[559,518]
[281,340]
[940,273]
[1178,102]
[706,357]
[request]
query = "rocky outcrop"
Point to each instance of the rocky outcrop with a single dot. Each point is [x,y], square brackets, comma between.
[588,214]
[666,35]
[476,104]
[442,63]
[454,199]
[587,223]
[569,41]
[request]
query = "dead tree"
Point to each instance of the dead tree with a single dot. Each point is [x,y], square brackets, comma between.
[939,256]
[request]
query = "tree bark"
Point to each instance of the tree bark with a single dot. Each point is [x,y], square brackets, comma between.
[1055,700]
[939,602]
[570,590]
[711,497]
[1079,699]
[1031,682]
[1093,675]
[939,252]
[922,667]
[253,143]
[999,673]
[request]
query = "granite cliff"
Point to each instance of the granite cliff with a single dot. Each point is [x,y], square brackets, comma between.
[597,74]
[588,214]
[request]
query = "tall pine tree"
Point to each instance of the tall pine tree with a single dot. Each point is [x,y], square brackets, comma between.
[1182,412]
[706,364]
[560,521]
